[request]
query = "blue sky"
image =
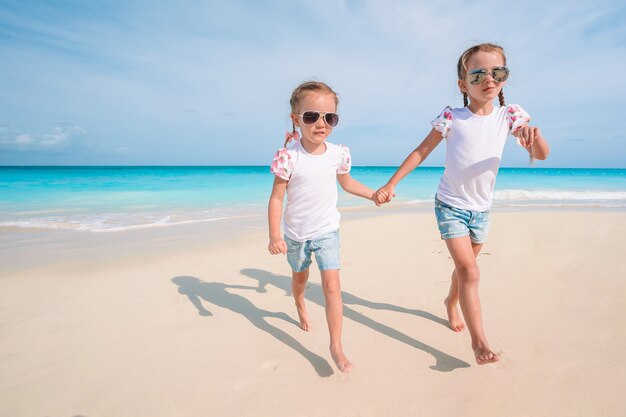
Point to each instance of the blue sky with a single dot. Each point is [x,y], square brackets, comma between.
[208,83]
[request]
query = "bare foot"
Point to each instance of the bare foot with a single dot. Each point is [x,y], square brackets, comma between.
[304,317]
[454,316]
[485,355]
[343,364]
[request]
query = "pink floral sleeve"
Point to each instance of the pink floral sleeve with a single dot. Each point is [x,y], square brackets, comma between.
[443,122]
[282,165]
[516,117]
[346,161]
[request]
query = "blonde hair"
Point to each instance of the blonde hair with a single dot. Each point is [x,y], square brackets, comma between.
[461,66]
[301,90]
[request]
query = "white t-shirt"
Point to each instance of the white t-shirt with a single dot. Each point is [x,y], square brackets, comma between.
[312,189]
[474,146]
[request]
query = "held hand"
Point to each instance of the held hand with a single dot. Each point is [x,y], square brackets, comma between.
[379,198]
[277,246]
[384,195]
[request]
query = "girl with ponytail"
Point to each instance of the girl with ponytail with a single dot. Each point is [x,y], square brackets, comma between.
[475,135]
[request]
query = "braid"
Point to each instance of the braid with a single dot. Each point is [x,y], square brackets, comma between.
[465,101]
[292,135]
[293,127]
[501,97]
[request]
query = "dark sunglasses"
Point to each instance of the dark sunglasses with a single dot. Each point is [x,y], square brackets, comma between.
[478,76]
[311,117]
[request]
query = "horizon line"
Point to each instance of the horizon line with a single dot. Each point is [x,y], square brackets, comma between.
[267,166]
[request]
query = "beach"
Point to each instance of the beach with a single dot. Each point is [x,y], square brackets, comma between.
[145,148]
[197,320]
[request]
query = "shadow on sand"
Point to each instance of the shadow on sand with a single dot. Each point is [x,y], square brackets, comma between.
[217,293]
[314,293]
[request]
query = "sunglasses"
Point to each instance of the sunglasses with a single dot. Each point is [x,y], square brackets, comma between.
[311,117]
[478,76]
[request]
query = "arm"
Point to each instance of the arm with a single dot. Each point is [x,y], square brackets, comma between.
[354,187]
[532,140]
[274,213]
[415,158]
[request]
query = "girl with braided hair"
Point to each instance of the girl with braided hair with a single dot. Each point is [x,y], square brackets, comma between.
[475,137]
[308,173]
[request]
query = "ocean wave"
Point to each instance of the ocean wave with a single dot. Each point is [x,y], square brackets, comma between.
[107,221]
[535,198]
[558,195]
[107,224]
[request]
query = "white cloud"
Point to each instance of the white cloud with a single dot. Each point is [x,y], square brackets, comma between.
[61,138]
[23,140]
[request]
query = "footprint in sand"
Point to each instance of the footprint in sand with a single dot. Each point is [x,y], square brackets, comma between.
[270,365]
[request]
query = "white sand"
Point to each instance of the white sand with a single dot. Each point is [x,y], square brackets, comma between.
[202,326]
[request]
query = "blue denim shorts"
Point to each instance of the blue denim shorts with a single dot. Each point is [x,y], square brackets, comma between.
[325,247]
[455,222]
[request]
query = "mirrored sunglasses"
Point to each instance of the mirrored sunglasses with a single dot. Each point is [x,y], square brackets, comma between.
[311,117]
[478,76]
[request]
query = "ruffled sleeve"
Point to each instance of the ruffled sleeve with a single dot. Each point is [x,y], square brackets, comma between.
[346,160]
[516,117]
[443,122]
[283,163]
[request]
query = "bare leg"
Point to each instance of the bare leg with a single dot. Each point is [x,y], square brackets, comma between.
[452,301]
[298,285]
[452,305]
[334,317]
[468,277]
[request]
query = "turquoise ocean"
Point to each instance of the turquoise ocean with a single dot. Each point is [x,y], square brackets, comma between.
[110,199]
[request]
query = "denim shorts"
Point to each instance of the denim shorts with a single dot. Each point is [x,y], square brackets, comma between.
[455,222]
[325,247]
